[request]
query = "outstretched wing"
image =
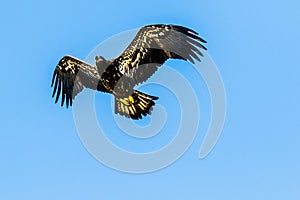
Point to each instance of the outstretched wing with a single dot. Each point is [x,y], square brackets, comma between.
[151,47]
[69,78]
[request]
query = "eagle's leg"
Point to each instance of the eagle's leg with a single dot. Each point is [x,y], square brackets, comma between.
[134,106]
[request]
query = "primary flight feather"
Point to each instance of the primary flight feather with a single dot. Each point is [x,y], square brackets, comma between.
[150,48]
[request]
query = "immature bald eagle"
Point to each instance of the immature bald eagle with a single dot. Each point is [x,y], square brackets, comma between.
[150,48]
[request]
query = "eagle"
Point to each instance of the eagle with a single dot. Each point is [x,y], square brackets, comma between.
[149,49]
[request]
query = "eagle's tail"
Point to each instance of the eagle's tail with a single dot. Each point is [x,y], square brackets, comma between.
[135,105]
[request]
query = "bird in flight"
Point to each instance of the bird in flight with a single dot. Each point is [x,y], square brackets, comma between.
[149,49]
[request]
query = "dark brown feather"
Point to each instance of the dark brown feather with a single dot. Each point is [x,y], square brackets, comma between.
[150,48]
[69,78]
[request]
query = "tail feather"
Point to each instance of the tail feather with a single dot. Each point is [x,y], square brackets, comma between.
[135,106]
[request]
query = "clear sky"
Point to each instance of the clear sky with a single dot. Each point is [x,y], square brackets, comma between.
[256,47]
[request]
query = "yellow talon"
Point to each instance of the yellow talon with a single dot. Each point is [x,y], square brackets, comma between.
[131,99]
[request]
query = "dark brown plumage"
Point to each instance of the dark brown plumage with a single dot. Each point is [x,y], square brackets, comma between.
[150,48]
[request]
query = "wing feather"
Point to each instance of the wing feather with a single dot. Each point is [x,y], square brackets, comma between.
[70,76]
[150,48]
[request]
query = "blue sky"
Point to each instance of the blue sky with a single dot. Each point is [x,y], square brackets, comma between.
[256,47]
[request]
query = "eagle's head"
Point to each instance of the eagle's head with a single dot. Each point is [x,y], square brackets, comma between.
[101,63]
[99,59]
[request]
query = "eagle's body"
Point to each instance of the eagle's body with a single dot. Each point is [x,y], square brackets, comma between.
[150,48]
